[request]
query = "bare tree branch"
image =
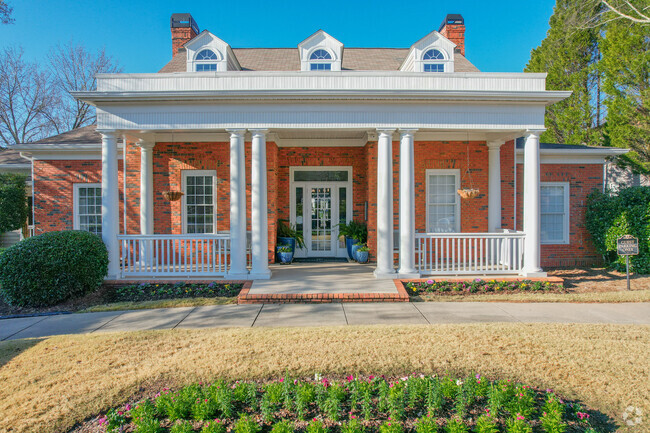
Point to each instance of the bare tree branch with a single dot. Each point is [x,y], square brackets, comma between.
[27,99]
[5,13]
[75,68]
[641,18]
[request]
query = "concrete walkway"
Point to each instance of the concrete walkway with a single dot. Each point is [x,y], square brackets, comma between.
[334,314]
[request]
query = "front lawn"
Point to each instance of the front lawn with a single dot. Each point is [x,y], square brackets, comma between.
[142,295]
[49,385]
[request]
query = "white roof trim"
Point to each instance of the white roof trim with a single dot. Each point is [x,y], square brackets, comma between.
[575,156]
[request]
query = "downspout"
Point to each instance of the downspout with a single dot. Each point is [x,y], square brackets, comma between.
[31,159]
[124,181]
[514,144]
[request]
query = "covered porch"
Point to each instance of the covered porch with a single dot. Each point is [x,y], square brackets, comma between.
[382,192]
[396,134]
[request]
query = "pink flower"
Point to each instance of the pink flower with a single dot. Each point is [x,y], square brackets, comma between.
[429,281]
[350,378]
[281,380]
[103,420]
[127,407]
[371,377]
[520,418]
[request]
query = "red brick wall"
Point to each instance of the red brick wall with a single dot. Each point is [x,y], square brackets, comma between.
[53,185]
[583,179]
[54,191]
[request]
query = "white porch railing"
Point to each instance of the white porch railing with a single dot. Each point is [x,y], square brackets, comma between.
[469,253]
[174,255]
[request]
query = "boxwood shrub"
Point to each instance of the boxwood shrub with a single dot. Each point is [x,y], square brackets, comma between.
[610,217]
[47,269]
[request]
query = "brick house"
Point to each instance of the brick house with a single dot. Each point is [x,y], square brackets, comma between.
[319,135]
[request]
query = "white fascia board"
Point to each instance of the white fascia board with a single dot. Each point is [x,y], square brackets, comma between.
[574,156]
[17,167]
[44,151]
[541,97]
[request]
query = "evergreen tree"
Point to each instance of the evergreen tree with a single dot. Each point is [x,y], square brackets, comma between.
[570,55]
[626,76]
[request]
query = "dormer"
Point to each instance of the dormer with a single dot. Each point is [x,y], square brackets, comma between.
[208,53]
[320,52]
[432,53]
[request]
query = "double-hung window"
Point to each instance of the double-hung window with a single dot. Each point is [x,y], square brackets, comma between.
[88,207]
[554,201]
[443,204]
[199,204]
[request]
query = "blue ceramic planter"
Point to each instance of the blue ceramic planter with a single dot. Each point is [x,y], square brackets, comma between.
[285,258]
[349,243]
[288,241]
[362,256]
[355,249]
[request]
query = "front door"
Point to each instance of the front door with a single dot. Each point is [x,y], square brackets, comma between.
[318,208]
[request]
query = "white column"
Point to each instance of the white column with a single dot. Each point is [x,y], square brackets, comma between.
[146,186]
[110,202]
[259,208]
[407,205]
[237,205]
[494,185]
[532,206]
[385,267]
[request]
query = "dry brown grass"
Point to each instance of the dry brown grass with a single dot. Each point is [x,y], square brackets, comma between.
[162,303]
[50,385]
[616,297]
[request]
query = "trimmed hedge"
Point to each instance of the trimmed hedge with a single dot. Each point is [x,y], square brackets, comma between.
[610,217]
[47,269]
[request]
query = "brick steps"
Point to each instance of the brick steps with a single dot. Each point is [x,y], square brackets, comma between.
[245,297]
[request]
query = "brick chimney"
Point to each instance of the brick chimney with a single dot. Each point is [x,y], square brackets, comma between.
[184,28]
[453,28]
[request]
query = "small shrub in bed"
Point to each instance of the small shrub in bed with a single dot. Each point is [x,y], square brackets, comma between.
[429,405]
[480,286]
[157,291]
[50,268]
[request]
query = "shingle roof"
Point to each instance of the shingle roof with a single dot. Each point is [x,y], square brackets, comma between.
[287,59]
[83,135]
[9,156]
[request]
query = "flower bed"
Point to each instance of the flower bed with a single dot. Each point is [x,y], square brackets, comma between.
[157,291]
[480,286]
[418,403]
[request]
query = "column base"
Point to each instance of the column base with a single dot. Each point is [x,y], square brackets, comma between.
[534,274]
[408,275]
[238,275]
[264,275]
[384,275]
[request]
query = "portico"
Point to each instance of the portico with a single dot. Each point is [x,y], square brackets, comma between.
[434,142]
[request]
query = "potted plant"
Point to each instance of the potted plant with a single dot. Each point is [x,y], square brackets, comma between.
[285,254]
[354,233]
[362,254]
[288,235]
[355,249]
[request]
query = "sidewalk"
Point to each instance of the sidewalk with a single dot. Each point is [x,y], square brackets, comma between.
[333,314]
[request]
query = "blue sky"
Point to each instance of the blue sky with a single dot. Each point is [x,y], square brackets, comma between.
[499,35]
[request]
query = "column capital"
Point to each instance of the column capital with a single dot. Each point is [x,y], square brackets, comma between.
[534,132]
[108,133]
[259,131]
[495,144]
[386,131]
[236,133]
[407,131]
[145,144]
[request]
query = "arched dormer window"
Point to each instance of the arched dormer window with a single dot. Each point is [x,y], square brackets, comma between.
[206,60]
[433,61]
[320,60]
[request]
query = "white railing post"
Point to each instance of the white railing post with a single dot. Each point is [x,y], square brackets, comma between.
[238,268]
[407,205]
[110,202]
[385,264]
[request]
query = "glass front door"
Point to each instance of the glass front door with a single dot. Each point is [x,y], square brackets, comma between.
[317,210]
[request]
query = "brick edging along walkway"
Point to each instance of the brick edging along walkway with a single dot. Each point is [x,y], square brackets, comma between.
[288,298]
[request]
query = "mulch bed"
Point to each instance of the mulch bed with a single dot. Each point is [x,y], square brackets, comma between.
[132,292]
